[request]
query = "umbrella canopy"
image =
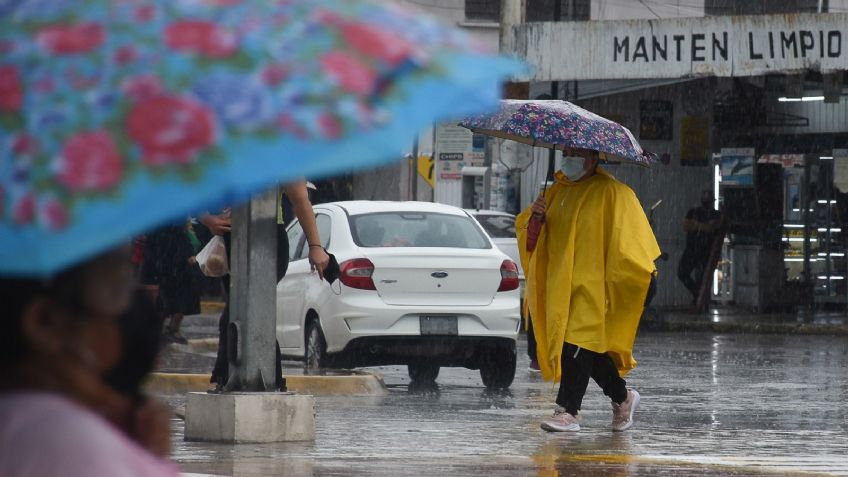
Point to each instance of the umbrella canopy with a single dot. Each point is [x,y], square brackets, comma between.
[557,125]
[119,115]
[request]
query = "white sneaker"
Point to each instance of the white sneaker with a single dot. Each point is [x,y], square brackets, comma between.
[561,421]
[622,414]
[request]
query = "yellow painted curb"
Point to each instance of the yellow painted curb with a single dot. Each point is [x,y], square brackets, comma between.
[360,384]
[209,307]
[177,383]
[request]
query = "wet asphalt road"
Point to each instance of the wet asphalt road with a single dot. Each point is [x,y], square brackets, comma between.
[711,405]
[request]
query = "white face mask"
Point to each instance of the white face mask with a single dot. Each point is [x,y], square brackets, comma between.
[572,167]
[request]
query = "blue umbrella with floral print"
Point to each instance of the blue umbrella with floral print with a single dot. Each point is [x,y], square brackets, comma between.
[119,115]
[559,125]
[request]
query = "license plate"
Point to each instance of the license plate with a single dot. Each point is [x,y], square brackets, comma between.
[439,325]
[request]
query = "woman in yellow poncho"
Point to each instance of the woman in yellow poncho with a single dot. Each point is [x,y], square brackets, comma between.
[587,280]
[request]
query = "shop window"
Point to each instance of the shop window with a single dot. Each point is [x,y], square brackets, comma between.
[537,10]
[761,7]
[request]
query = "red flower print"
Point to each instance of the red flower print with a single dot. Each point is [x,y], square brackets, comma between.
[143,87]
[274,74]
[90,161]
[330,126]
[24,144]
[53,214]
[71,39]
[145,13]
[125,54]
[201,37]
[349,72]
[377,43]
[24,209]
[287,123]
[11,89]
[44,85]
[170,130]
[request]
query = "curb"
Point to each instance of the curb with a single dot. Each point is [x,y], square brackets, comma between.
[743,328]
[211,307]
[359,384]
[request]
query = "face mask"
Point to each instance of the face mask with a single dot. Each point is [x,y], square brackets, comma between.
[572,167]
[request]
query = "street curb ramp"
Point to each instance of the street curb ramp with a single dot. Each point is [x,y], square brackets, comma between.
[355,384]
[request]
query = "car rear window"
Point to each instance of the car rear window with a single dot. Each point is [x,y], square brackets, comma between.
[497,226]
[417,229]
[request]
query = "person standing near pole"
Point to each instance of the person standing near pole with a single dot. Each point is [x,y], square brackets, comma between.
[318,259]
[587,282]
[700,226]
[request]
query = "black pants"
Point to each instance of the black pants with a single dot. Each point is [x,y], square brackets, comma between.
[578,365]
[531,340]
[692,262]
[221,371]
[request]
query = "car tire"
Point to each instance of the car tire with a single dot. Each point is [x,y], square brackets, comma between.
[498,368]
[315,357]
[423,372]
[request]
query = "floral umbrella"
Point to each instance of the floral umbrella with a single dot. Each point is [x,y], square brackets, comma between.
[559,124]
[119,115]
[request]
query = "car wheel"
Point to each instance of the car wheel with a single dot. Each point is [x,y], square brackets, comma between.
[316,346]
[423,371]
[498,368]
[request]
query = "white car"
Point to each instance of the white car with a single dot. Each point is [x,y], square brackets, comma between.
[501,229]
[421,284]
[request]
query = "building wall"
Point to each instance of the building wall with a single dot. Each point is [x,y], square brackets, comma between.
[633,9]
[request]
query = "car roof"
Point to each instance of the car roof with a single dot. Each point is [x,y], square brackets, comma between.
[360,207]
[488,212]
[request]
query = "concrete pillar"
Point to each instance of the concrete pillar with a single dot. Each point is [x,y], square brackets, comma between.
[253,314]
[250,417]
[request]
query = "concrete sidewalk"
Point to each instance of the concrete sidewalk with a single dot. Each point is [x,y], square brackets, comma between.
[736,320]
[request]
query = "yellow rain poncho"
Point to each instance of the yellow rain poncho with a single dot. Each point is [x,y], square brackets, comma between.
[589,274]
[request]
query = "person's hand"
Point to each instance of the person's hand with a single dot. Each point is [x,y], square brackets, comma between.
[539,207]
[318,260]
[151,427]
[217,224]
[192,260]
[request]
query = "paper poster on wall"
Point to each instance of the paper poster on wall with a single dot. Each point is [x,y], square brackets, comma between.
[454,146]
[737,166]
[694,141]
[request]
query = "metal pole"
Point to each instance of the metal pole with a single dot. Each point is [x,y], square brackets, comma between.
[414,185]
[253,316]
[821,5]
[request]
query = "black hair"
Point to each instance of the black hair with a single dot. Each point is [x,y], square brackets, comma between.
[18,293]
[141,331]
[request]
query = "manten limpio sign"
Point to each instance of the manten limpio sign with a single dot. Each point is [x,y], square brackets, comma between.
[684,47]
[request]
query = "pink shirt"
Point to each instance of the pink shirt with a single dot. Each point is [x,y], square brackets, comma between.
[46,435]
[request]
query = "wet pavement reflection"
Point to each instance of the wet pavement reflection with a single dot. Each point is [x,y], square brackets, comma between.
[711,405]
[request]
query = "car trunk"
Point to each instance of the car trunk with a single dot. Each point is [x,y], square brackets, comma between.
[435,276]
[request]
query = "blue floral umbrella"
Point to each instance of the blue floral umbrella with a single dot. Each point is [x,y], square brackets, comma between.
[119,115]
[557,125]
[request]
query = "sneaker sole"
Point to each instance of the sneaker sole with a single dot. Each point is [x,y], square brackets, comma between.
[550,428]
[636,399]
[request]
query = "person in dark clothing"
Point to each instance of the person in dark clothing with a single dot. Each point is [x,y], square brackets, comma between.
[700,226]
[169,261]
[318,258]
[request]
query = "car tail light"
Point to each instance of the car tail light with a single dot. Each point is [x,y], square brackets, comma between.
[509,276]
[357,273]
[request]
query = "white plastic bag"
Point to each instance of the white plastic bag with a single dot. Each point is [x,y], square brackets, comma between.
[213,258]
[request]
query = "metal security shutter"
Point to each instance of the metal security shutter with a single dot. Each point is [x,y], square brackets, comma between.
[760,7]
[482,10]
